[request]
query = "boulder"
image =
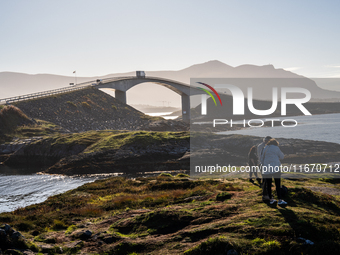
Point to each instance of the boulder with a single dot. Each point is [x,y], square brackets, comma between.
[82,234]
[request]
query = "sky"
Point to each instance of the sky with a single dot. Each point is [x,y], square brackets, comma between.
[112,36]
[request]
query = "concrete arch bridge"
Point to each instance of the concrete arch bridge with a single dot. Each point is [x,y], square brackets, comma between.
[122,84]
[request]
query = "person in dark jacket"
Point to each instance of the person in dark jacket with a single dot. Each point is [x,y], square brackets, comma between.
[260,149]
[253,161]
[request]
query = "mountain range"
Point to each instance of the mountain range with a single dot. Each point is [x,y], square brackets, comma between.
[14,84]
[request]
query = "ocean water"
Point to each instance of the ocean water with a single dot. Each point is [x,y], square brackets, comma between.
[325,127]
[22,187]
[163,115]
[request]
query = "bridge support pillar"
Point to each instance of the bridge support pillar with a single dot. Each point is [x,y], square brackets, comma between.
[186,108]
[121,96]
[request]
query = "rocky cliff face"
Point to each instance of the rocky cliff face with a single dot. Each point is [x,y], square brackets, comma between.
[101,152]
[42,153]
[128,159]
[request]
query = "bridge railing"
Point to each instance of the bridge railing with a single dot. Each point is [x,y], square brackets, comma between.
[41,94]
[73,88]
[169,80]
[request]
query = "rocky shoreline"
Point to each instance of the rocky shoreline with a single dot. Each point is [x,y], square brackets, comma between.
[175,215]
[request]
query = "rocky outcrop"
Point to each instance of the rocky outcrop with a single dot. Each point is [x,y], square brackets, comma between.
[42,153]
[11,239]
[92,109]
[100,152]
[16,145]
[128,159]
[69,155]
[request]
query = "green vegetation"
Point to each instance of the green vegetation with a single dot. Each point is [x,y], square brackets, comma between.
[11,117]
[70,229]
[40,128]
[109,139]
[223,196]
[116,140]
[86,105]
[165,175]
[181,175]
[156,216]
[14,123]
[71,104]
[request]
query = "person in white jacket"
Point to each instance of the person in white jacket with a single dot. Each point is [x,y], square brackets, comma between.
[260,149]
[270,158]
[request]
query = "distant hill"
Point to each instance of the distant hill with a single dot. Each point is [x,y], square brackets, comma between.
[14,84]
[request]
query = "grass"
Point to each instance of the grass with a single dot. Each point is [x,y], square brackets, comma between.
[142,138]
[11,117]
[14,123]
[223,196]
[152,216]
[96,141]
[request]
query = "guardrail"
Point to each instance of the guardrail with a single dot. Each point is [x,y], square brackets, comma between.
[40,94]
[73,88]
